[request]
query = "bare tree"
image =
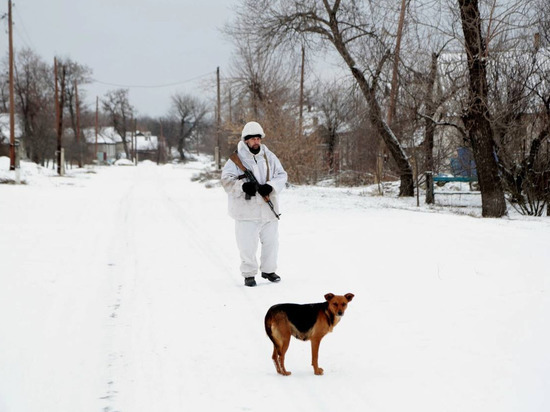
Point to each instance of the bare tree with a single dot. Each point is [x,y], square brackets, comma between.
[264,87]
[477,118]
[170,129]
[430,83]
[352,29]
[261,79]
[120,112]
[520,102]
[4,88]
[34,103]
[76,75]
[335,102]
[190,113]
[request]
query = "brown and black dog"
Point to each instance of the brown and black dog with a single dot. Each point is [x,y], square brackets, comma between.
[305,322]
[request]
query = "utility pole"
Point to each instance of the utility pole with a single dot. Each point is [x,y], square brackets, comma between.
[134,141]
[393,93]
[230,107]
[57,116]
[160,145]
[301,118]
[218,121]
[12,93]
[59,103]
[96,123]
[394,85]
[77,103]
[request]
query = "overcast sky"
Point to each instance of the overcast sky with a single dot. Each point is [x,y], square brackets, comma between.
[129,43]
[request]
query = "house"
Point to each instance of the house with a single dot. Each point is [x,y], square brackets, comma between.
[145,145]
[5,133]
[109,146]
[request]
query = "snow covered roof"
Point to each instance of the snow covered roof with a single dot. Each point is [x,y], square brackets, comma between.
[145,141]
[105,135]
[108,135]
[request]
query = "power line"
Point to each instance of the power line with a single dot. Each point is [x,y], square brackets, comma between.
[26,39]
[154,86]
[25,32]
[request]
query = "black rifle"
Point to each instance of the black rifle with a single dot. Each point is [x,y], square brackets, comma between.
[251,178]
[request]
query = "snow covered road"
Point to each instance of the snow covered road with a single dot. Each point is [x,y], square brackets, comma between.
[120,292]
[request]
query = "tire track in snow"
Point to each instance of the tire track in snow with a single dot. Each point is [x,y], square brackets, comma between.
[258,361]
[120,268]
[151,220]
[190,268]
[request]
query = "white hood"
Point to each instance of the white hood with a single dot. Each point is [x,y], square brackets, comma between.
[251,129]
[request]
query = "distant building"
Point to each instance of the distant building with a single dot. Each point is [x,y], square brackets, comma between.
[107,144]
[146,145]
[110,147]
[5,133]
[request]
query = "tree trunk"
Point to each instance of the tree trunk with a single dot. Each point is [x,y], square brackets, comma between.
[120,127]
[406,187]
[477,118]
[181,141]
[375,113]
[430,129]
[331,149]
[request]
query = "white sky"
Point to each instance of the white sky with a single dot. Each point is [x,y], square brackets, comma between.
[129,43]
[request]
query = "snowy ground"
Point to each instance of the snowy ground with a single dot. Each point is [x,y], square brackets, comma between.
[120,292]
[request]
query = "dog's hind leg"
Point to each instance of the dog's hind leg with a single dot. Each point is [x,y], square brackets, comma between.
[276,360]
[280,335]
[281,357]
[278,330]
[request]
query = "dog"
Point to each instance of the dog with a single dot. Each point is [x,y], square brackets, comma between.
[305,322]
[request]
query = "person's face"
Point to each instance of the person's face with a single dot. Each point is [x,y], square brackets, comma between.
[254,142]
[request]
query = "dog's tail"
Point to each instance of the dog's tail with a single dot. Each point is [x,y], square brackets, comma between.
[268,321]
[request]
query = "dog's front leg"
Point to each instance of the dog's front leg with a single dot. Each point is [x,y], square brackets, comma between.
[315,342]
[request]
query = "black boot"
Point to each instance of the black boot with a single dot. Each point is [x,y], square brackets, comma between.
[272,277]
[250,281]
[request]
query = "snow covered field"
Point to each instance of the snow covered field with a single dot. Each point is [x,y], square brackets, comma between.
[120,291]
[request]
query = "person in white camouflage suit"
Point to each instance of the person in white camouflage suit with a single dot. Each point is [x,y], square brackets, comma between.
[254,220]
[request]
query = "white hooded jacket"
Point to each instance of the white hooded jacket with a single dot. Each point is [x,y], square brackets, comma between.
[267,169]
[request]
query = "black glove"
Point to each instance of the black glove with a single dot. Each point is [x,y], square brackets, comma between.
[249,188]
[265,190]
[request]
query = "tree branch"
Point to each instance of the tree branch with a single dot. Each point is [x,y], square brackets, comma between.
[437,123]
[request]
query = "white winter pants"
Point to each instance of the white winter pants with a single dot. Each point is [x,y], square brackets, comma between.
[248,233]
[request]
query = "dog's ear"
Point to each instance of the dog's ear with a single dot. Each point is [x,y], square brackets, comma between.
[349,296]
[329,296]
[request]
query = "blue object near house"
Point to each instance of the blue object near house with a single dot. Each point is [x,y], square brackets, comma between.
[464,165]
[446,179]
